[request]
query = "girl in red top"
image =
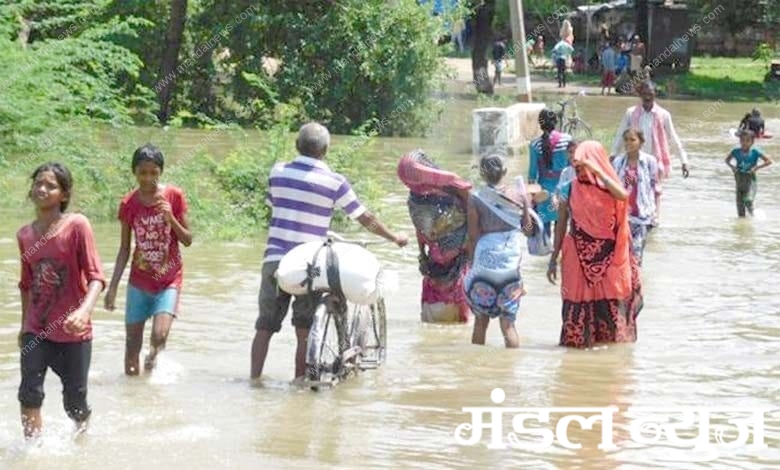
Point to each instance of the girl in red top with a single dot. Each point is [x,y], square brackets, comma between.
[156,214]
[60,284]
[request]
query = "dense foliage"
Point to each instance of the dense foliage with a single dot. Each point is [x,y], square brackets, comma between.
[79,74]
[354,64]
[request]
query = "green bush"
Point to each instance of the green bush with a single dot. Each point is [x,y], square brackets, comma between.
[364,63]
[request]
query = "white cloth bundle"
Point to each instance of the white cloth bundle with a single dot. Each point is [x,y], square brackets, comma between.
[358,269]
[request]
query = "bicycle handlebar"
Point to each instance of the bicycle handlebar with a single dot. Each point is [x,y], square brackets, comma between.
[566,102]
[364,243]
[572,99]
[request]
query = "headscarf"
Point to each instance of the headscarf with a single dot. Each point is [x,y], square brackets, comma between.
[602,219]
[422,176]
[437,205]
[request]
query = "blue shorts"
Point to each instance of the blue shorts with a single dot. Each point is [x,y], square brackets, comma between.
[141,305]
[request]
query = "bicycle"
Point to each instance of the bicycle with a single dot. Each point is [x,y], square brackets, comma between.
[335,352]
[572,123]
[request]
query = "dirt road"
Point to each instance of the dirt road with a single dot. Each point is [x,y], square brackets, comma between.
[541,82]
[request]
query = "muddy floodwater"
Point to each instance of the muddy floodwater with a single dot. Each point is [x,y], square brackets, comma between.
[709,337]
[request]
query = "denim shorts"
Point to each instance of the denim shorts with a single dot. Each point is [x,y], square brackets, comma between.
[142,305]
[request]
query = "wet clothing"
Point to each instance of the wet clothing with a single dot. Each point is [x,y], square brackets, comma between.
[156,263]
[494,284]
[142,305]
[600,284]
[70,361]
[641,182]
[438,213]
[57,268]
[548,177]
[273,303]
[746,192]
[303,195]
[744,178]
[746,161]
[639,234]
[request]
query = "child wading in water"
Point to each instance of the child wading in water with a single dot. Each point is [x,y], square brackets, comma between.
[638,171]
[494,284]
[746,158]
[156,214]
[61,280]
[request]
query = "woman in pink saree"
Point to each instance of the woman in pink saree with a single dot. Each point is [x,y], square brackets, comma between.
[437,206]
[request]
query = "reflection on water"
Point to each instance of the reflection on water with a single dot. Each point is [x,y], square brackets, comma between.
[708,336]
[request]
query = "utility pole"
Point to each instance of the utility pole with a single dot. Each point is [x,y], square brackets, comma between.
[521,57]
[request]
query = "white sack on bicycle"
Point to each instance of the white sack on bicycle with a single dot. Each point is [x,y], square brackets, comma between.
[359,271]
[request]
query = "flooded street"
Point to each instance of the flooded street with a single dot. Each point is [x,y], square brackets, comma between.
[709,336]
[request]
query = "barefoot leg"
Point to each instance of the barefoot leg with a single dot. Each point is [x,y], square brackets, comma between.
[511,339]
[133,343]
[160,329]
[31,422]
[481,323]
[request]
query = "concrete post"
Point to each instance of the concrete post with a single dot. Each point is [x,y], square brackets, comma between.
[521,57]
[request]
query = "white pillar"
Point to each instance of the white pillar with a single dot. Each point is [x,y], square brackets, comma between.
[521,57]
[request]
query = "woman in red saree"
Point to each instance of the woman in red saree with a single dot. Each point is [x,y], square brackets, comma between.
[437,206]
[600,285]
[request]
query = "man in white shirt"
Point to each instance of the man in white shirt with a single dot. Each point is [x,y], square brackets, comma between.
[650,117]
[656,125]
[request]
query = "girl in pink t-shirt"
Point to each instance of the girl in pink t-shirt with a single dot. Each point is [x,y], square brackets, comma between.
[156,215]
[60,284]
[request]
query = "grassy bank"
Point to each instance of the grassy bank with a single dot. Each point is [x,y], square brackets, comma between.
[738,79]
[223,171]
[730,79]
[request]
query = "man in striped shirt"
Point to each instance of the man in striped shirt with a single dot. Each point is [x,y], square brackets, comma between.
[302,194]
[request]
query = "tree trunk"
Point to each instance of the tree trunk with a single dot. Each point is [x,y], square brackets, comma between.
[483,38]
[641,22]
[166,82]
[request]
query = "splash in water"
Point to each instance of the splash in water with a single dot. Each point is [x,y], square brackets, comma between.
[167,371]
[58,439]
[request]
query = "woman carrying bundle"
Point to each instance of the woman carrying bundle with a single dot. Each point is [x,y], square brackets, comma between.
[437,205]
[494,284]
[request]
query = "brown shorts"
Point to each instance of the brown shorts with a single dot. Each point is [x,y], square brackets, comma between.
[274,302]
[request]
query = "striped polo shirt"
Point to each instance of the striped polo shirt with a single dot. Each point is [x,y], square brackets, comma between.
[302,195]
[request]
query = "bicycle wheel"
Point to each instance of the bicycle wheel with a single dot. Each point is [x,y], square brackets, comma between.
[379,321]
[368,332]
[579,130]
[326,344]
[358,333]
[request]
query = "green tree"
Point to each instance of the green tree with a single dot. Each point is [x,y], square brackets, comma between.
[366,63]
[67,68]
